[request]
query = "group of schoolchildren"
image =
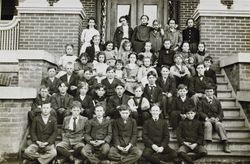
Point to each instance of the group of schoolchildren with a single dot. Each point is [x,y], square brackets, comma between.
[100,97]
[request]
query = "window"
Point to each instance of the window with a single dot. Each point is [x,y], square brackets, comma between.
[151,12]
[122,10]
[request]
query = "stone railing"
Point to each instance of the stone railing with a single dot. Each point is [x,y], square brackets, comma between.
[9,35]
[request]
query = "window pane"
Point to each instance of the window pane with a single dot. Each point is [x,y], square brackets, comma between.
[151,12]
[122,10]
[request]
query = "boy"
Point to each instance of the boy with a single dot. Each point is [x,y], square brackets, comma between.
[51,81]
[110,81]
[152,92]
[199,83]
[41,98]
[43,135]
[62,102]
[190,137]
[211,112]
[166,55]
[115,101]
[124,149]
[156,139]
[99,96]
[85,100]
[209,72]
[98,134]
[72,135]
[71,79]
[180,105]
[90,79]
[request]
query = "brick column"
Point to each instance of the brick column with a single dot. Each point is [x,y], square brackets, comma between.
[49,28]
[225,31]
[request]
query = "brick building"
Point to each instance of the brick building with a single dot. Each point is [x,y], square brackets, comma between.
[33,34]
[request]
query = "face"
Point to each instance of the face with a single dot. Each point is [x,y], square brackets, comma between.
[182,92]
[96,40]
[100,92]
[147,62]
[109,46]
[185,47]
[69,50]
[124,114]
[165,72]
[201,47]
[101,58]
[190,115]
[84,60]
[69,69]
[167,44]
[138,92]
[75,111]
[84,90]
[119,66]
[155,111]
[156,25]
[190,23]
[148,46]
[144,20]
[123,22]
[209,92]
[127,47]
[151,79]
[132,58]
[63,88]
[172,24]
[99,111]
[44,92]
[51,72]
[87,75]
[46,109]
[91,23]
[200,69]
[110,74]
[119,90]
[207,63]
[178,60]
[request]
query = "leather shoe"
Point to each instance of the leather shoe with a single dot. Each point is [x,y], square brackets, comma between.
[226,148]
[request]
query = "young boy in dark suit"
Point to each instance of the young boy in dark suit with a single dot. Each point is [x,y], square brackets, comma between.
[124,148]
[90,79]
[115,101]
[209,72]
[43,134]
[51,81]
[100,95]
[156,139]
[211,112]
[98,134]
[190,137]
[62,102]
[72,135]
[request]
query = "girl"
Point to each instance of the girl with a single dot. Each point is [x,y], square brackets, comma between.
[82,64]
[148,52]
[119,73]
[95,47]
[88,33]
[110,53]
[185,53]
[100,67]
[125,50]
[201,53]
[130,73]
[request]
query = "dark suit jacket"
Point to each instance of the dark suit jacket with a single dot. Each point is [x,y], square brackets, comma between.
[73,81]
[98,131]
[119,34]
[166,57]
[57,103]
[206,109]
[123,134]
[53,86]
[155,132]
[212,74]
[38,102]
[198,86]
[91,52]
[74,136]
[110,88]
[191,35]
[87,105]
[179,105]
[190,131]
[44,132]
[155,96]
[169,86]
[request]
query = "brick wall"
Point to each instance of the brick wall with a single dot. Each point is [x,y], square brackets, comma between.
[13,122]
[50,32]
[90,10]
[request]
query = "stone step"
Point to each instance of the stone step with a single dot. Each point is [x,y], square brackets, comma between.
[234,121]
[231,111]
[227,101]
[220,78]
[222,85]
[224,93]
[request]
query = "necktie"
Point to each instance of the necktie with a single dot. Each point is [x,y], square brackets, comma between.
[74,124]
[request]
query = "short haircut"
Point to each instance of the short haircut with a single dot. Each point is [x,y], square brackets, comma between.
[165,66]
[155,106]
[208,58]
[110,68]
[84,54]
[61,83]
[182,86]
[144,16]
[43,87]
[167,40]
[99,86]
[119,61]
[177,55]
[198,64]
[190,108]
[88,69]
[52,67]
[107,43]
[210,86]
[123,108]
[119,84]
[69,44]
[152,73]
[146,58]
[99,105]
[45,102]
[82,84]
[125,43]
[99,54]
[138,86]
[76,104]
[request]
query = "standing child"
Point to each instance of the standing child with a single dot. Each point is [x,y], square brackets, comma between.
[211,112]
[156,139]
[85,100]
[98,134]
[88,33]
[119,73]
[95,48]
[72,135]
[166,55]
[130,73]
[82,64]
[124,50]
[209,72]
[43,135]
[168,86]
[124,148]
[139,106]
[100,67]
[110,53]
[156,36]
[190,137]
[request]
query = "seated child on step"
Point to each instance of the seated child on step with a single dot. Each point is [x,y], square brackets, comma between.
[100,67]
[110,53]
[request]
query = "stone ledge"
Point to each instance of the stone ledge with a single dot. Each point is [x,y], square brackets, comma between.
[17,93]
[14,56]
[243,95]
[236,58]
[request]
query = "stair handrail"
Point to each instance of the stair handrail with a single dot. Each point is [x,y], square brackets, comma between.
[242,113]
